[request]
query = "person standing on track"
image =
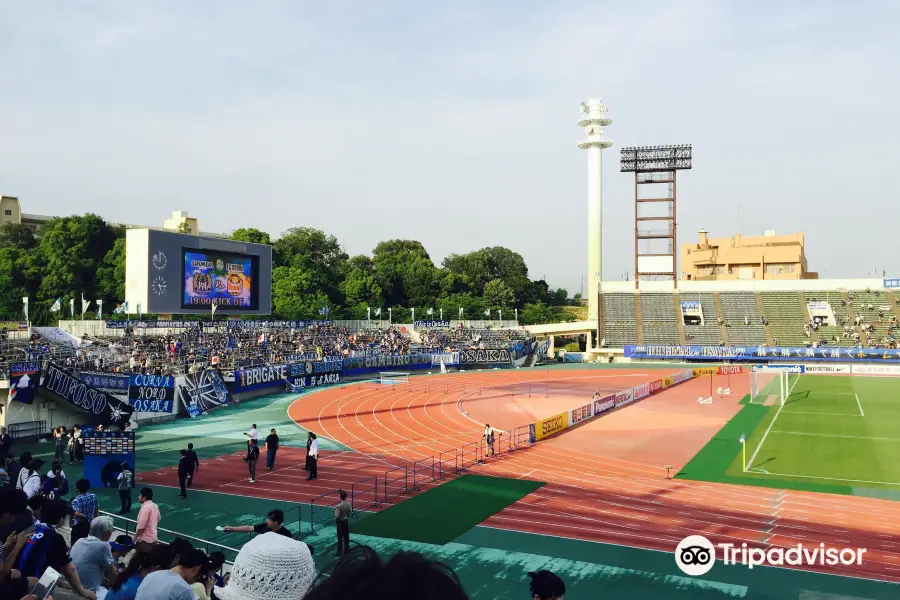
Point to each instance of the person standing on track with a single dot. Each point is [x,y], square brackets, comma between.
[271,449]
[193,464]
[313,458]
[309,439]
[253,434]
[251,458]
[184,471]
[489,433]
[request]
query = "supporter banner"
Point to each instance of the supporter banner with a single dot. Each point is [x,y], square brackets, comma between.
[328,366]
[892,283]
[776,367]
[105,408]
[730,370]
[875,370]
[166,324]
[837,368]
[449,359]
[705,371]
[547,427]
[817,306]
[484,357]
[276,324]
[655,386]
[624,397]
[308,381]
[116,383]
[153,324]
[386,360]
[151,393]
[690,305]
[203,391]
[582,413]
[641,391]
[764,353]
[604,404]
[24,379]
[431,325]
[255,378]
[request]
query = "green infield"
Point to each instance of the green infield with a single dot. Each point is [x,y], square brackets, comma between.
[447,511]
[832,433]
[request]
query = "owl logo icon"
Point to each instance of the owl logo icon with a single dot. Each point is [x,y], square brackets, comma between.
[159,260]
[235,285]
[202,282]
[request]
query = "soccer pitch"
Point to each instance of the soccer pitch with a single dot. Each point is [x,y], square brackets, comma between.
[831,429]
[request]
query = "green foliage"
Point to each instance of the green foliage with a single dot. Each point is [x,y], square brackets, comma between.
[78,255]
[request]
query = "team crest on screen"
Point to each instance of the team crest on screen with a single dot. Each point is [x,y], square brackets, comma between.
[235,285]
[202,283]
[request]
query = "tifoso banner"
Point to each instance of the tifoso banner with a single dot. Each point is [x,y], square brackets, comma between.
[582,413]
[624,397]
[641,391]
[547,427]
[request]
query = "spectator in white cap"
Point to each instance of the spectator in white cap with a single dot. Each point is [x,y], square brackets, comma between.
[270,567]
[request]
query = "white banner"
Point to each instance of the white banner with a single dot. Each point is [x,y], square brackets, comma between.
[828,368]
[875,370]
[641,391]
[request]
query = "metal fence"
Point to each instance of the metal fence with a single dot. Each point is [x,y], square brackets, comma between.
[27,430]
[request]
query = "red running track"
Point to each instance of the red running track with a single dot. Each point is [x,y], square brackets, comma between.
[588,496]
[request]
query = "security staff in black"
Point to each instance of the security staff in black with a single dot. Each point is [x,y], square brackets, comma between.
[184,470]
[342,521]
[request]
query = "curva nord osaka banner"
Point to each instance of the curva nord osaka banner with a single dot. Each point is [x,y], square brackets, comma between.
[152,393]
[764,353]
[24,379]
[104,408]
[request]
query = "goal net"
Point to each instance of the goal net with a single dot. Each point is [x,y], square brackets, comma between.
[393,378]
[774,384]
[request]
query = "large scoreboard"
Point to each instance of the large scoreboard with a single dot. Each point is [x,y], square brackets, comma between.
[176,273]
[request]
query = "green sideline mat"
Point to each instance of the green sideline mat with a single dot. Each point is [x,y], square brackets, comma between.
[447,511]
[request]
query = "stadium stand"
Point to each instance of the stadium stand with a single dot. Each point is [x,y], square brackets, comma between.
[745,325]
[658,315]
[620,322]
[786,318]
[843,333]
[876,318]
[709,333]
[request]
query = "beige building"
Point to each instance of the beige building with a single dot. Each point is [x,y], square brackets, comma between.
[11,212]
[768,256]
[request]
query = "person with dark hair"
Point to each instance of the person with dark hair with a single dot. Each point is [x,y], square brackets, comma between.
[125,479]
[183,472]
[179,546]
[251,458]
[175,583]
[47,548]
[145,534]
[31,484]
[408,575]
[272,444]
[546,585]
[193,464]
[216,562]
[56,485]
[312,457]
[274,523]
[309,439]
[85,508]
[59,437]
[5,445]
[126,584]
[342,522]
[18,471]
[77,444]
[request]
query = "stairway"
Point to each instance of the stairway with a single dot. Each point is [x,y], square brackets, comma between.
[813,334]
[720,314]
[679,321]
[770,341]
[638,318]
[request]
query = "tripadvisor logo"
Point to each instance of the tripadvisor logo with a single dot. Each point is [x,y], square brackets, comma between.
[695,555]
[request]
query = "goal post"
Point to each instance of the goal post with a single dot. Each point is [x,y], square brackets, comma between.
[393,377]
[768,383]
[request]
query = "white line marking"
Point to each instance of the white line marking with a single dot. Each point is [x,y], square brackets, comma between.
[830,435]
[803,412]
[859,404]
[830,479]
[769,428]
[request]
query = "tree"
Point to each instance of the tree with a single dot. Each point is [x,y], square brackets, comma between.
[184,227]
[359,285]
[70,253]
[484,265]
[405,272]
[498,296]
[294,294]
[16,235]
[319,255]
[111,275]
[251,236]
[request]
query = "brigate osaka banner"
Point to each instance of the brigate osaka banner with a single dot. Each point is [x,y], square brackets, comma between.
[104,408]
[484,357]
[24,379]
[152,393]
[303,374]
[764,353]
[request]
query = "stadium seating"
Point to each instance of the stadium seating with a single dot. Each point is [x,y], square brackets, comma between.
[709,333]
[834,335]
[875,309]
[786,318]
[658,315]
[620,322]
[735,307]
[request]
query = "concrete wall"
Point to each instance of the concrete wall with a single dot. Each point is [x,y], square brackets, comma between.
[746,285]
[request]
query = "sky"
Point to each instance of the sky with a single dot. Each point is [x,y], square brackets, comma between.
[456,123]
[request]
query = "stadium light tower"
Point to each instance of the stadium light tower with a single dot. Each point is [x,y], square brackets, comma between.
[594,118]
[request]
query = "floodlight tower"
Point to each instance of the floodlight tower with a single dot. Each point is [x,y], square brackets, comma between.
[594,118]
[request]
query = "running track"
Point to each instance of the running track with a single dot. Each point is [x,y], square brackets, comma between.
[587,497]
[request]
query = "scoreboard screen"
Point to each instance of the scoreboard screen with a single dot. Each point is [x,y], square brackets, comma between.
[102,443]
[225,279]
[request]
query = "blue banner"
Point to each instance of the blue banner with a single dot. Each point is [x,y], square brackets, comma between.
[104,408]
[113,382]
[255,378]
[151,393]
[764,353]
[432,324]
[690,305]
[24,379]
[232,324]
[892,283]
